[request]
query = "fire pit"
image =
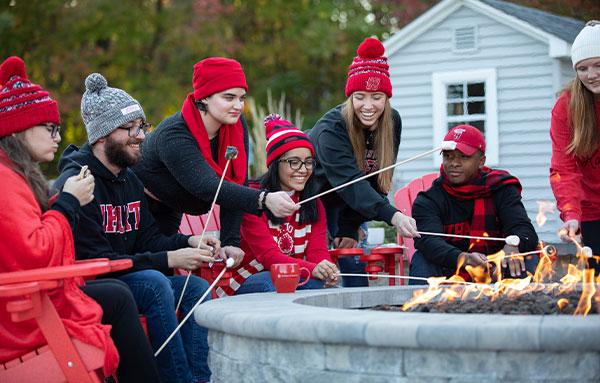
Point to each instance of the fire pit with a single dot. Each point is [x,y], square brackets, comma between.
[312,336]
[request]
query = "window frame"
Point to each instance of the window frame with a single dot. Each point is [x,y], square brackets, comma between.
[440,81]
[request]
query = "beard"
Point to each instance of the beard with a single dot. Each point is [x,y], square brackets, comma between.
[118,155]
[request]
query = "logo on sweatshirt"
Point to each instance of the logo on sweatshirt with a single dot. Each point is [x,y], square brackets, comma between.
[120,218]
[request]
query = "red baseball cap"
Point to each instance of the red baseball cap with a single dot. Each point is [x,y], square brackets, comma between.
[468,139]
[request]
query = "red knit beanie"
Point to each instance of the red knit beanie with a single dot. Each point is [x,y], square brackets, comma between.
[369,70]
[216,74]
[22,104]
[282,136]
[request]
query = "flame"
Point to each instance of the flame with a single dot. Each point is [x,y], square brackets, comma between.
[544,207]
[579,276]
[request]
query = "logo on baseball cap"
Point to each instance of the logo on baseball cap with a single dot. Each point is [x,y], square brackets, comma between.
[467,138]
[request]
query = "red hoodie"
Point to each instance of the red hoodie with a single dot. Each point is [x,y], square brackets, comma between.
[575,181]
[31,240]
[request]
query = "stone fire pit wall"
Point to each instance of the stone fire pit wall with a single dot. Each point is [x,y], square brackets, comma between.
[311,336]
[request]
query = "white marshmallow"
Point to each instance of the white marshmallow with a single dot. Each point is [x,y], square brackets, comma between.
[229,262]
[587,252]
[513,240]
[448,145]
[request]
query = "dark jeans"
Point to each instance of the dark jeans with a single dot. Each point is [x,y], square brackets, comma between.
[184,359]
[590,234]
[421,267]
[136,359]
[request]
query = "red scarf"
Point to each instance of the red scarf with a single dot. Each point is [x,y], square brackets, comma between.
[229,135]
[484,219]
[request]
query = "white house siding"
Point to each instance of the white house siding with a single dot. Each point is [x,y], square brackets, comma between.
[525,99]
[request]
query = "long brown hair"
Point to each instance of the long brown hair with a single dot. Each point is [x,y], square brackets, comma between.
[384,142]
[21,162]
[582,117]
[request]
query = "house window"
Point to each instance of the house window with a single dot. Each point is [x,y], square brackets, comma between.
[467,97]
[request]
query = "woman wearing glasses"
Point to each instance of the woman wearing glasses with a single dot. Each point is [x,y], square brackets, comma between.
[184,157]
[300,238]
[357,138]
[37,233]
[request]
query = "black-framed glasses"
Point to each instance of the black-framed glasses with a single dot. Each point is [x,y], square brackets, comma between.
[296,163]
[145,127]
[54,128]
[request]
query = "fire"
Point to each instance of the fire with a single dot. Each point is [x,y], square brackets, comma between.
[579,276]
[544,207]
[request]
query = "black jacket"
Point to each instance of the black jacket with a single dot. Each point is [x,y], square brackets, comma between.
[437,211]
[117,223]
[361,201]
[175,171]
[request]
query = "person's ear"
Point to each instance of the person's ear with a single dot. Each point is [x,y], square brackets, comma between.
[482,161]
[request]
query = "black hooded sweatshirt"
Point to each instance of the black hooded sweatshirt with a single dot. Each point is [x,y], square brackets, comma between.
[117,223]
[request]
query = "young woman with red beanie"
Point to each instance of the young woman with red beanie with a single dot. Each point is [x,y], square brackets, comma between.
[356,138]
[300,238]
[575,133]
[183,158]
[37,233]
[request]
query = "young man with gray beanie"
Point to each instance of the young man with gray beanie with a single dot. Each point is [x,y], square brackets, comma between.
[117,224]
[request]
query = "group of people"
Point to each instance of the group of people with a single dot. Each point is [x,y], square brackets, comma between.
[139,182]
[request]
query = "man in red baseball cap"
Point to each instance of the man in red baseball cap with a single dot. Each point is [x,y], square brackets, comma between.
[471,199]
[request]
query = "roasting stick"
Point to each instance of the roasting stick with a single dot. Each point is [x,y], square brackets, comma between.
[510,240]
[406,277]
[230,154]
[585,250]
[446,145]
[228,264]
[549,250]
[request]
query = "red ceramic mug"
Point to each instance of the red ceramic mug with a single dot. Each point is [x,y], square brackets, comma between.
[285,277]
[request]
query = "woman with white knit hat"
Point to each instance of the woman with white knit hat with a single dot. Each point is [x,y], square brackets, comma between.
[575,133]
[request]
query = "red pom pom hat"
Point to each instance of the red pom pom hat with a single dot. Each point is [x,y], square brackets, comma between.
[216,74]
[22,104]
[282,136]
[369,70]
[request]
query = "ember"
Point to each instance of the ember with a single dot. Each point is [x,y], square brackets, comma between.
[535,303]
[575,295]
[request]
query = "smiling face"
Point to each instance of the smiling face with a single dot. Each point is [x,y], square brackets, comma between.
[290,179]
[120,149]
[368,107]
[588,72]
[460,168]
[40,144]
[226,107]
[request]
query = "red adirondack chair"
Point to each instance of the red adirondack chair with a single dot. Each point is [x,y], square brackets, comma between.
[404,199]
[62,359]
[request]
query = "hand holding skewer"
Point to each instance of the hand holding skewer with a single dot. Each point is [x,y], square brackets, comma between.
[81,186]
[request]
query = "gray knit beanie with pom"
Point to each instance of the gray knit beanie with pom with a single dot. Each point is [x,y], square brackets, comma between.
[104,109]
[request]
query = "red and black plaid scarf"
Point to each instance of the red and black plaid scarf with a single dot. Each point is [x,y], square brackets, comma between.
[484,219]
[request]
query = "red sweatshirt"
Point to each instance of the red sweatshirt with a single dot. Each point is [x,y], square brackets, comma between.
[30,240]
[575,181]
[265,244]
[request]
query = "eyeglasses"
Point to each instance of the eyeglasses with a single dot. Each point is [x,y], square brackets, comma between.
[145,127]
[54,129]
[296,163]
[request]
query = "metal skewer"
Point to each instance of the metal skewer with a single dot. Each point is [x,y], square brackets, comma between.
[548,250]
[228,264]
[230,154]
[510,240]
[446,145]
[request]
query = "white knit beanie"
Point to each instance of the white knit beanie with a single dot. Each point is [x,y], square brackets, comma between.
[587,43]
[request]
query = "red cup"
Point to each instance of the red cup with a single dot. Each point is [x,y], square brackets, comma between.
[285,277]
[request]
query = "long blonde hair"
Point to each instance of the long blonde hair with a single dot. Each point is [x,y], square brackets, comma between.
[384,141]
[582,117]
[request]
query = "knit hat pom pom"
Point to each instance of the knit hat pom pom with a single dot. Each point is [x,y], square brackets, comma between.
[12,66]
[269,127]
[95,82]
[370,48]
